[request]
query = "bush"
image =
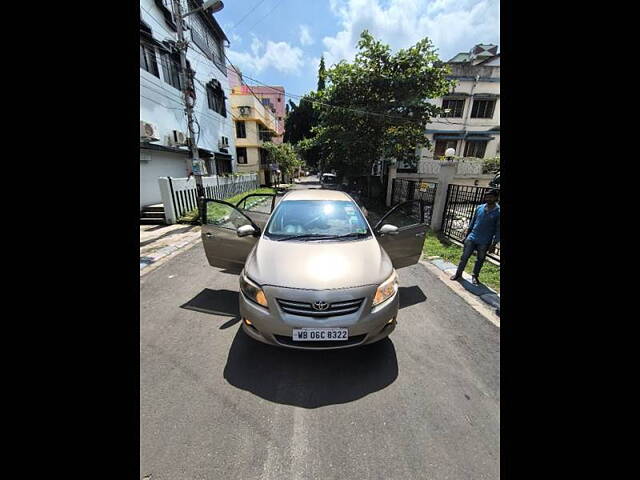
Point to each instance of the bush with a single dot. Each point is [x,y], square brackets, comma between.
[491,165]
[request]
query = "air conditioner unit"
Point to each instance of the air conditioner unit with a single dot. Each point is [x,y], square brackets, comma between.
[148,132]
[245,111]
[223,142]
[177,138]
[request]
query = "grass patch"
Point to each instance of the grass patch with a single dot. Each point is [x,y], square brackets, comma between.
[212,208]
[434,246]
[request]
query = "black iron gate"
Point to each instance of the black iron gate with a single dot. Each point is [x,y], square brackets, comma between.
[404,189]
[461,204]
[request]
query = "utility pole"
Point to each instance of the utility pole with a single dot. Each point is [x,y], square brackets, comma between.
[187,85]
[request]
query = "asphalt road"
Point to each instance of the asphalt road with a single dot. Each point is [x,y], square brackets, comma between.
[214,404]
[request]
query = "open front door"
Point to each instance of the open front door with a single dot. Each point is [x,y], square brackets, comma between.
[404,246]
[222,245]
[258,207]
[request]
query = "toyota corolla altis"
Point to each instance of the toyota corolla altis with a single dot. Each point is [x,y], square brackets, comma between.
[313,273]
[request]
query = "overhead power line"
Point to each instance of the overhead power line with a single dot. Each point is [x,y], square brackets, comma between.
[266,15]
[304,97]
[246,15]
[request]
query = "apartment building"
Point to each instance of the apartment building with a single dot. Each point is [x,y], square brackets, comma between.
[163,125]
[471,124]
[255,124]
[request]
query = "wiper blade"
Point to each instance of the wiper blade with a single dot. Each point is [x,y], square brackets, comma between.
[316,236]
[353,234]
[307,235]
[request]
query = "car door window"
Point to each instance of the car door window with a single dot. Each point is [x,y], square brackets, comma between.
[257,203]
[404,215]
[404,247]
[222,245]
[224,215]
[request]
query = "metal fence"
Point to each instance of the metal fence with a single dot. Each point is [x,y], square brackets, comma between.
[461,204]
[404,190]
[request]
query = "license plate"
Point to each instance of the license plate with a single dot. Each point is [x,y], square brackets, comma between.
[320,334]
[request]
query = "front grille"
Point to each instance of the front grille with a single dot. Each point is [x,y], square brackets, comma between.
[334,309]
[356,339]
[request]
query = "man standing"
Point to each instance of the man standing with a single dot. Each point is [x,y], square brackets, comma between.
[482,235]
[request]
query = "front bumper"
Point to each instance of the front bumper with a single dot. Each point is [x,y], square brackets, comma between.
[274,326]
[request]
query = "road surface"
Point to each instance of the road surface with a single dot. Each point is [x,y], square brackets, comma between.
[214,404]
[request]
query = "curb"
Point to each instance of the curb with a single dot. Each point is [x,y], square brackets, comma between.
[487,294]
[481,305]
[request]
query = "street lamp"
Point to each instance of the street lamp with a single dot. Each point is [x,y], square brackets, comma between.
[212,5]
[450,153]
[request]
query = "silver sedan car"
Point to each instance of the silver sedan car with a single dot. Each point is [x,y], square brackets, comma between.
[313,273]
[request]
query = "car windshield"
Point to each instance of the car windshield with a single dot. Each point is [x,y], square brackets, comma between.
[322,219]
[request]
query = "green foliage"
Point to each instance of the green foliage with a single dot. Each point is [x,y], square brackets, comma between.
[285,156]
[321,75]
[298,127]
[491,165]
[302,118]
[394,89]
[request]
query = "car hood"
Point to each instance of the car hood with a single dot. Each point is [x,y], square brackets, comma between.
[318,265]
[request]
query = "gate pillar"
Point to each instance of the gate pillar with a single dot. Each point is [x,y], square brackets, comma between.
[393,169]
[445,177]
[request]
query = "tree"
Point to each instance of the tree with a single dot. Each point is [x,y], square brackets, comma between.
[298,125]
[321,75]
[285,156]
[301,119]
[377,106]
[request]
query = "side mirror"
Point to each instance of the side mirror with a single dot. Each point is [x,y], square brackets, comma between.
[246,230]
[390,229]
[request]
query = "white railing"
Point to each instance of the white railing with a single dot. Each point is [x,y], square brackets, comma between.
[179,195]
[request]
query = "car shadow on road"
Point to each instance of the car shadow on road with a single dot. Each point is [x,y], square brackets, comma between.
[216,302]
[310,379]
[411,296]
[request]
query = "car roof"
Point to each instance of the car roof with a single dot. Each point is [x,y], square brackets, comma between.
[316,194]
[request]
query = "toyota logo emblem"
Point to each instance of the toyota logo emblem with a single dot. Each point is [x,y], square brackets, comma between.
[320,305]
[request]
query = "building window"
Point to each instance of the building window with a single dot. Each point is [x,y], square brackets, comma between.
[223,166]
[483,108]
[475,148]
[171,71]
[264,135]
[456,107]
[241,130]
[215,98]
[217,49]
[148,60]
[241,155]
[442,145]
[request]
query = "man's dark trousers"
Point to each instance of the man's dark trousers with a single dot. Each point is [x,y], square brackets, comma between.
[469,247]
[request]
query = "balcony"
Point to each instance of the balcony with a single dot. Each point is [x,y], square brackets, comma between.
[255,111]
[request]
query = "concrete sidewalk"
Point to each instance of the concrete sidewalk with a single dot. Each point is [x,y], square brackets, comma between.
[159,242]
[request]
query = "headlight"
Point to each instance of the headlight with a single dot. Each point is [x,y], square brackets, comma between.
[386,290]
[253,291]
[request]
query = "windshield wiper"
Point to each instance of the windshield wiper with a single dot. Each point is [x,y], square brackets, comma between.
[316,236]
[352,235]
[306,235]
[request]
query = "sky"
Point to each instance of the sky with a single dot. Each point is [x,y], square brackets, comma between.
[280,42]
